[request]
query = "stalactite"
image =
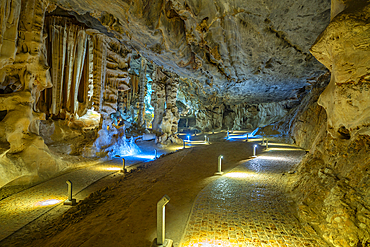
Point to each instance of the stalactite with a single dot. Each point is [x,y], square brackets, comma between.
[78,67]
[142,88]
[57,39]
[90,71]
[100,64]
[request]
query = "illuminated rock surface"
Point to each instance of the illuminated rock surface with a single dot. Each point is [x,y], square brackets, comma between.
[86,79]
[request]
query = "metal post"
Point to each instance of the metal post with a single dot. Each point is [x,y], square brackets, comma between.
[69,184]
[219,172]
[69,201]
[123,165]
[247,136]
[227,134]
[161,230]
[254,150]
[183,141]
[263,140]
[155,155]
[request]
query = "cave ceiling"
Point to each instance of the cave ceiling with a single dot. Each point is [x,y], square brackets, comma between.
[252,51]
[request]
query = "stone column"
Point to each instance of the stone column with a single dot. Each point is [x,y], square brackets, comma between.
[344,49]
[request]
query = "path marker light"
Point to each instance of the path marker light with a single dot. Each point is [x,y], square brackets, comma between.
[69,201]
[219,172]
[254,151]
[205,138]
[161,220]
[123,166]
[188,138]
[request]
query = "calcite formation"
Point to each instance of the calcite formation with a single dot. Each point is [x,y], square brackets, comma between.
[241,116]
[255,51]
[332,185]
[166,114]
[76,76]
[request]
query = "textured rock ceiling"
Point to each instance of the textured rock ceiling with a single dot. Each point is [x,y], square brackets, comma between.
[243,51]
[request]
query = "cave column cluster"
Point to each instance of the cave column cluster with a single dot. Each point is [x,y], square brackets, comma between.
[166,114]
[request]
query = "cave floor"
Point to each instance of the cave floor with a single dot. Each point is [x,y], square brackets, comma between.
[23,207]
[246,206]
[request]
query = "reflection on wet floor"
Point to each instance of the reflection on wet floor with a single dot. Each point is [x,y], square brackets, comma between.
[247,207]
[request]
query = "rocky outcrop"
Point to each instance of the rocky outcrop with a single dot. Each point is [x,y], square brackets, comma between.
[255,51]
[23,75]
[241,116]
[305,122]
[332,183]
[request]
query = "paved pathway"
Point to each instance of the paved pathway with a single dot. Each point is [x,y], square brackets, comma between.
[247,207]
[22,208]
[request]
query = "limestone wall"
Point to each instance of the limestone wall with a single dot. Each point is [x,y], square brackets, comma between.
[332,183]
[241,116]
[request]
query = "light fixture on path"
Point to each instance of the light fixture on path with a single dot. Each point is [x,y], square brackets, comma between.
[219,172]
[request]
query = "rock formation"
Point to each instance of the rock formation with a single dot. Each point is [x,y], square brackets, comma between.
[332,185]
[166,114]
[77,77]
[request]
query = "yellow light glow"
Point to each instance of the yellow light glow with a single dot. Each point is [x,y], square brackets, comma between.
[285,149]
[271,158]
[238,175]
[49,202]
[282,144]
[211,243]
[112,168]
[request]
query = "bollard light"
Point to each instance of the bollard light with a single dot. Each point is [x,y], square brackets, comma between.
[219,172]
[205,138]
[161,228]
[123,165]
[208,140]
[254,150]
[69,201]
[188,138]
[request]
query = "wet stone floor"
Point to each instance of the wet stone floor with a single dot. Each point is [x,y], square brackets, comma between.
[247,207]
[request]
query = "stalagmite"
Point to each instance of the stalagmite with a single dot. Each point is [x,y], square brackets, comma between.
[143,81]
